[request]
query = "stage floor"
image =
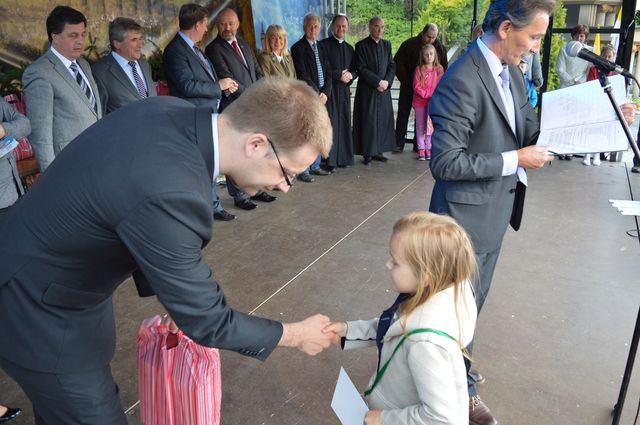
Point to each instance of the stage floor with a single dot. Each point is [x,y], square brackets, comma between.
[552,339]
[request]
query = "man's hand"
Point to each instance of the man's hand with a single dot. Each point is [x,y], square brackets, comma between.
[372,417]
[228,84]
[629,112]
[337,330]
[533,156]
[346,77]
[307,336]
[383,85]
[3,132]
[323,98]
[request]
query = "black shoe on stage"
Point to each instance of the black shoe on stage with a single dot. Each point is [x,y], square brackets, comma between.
[245,204]
[366,160]
[380,158]
[264,197]
[222,215]
[11,413]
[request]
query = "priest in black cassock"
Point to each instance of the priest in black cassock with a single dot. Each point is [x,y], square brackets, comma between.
[343,72]
[373,131]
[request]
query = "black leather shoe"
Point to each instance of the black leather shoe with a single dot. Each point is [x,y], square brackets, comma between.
[380,158]
[222,215]
[306,177]
[366,160]
[397,150]
[10,414]
[245,204]
[635,169]
[319,172]
[264,197]
[477,376]
[331,170]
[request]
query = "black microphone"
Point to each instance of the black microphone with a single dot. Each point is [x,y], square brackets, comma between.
[575,49]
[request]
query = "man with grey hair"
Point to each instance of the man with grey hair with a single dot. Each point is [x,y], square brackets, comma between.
[123,76]
[312,66]
[484,138]
[406,60]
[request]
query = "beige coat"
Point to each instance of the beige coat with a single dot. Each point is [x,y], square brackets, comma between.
[272,67]
[426,381]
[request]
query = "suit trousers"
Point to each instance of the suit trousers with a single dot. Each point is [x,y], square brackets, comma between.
[234,190]
[402,119]
[85,398]
[481,284]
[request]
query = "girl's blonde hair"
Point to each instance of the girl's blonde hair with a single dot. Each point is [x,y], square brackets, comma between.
[440,254]
[278,31]
[436,62]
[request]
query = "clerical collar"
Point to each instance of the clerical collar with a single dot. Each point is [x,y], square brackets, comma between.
[340,40]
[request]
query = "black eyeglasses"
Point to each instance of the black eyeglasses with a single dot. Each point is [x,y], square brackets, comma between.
[284,173]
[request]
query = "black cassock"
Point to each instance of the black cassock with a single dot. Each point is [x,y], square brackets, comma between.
[341,57]
[373,131]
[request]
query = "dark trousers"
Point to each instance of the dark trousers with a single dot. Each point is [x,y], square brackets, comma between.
[402,119]
[481,285]
[86,398]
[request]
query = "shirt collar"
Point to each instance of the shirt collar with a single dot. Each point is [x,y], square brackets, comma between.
[122,61]
[186,39]
[311,43]
[340,40]
[495,64]
[216,157]
[231,41]
[66,62]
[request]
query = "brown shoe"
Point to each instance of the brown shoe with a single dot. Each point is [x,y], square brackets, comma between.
[479,413]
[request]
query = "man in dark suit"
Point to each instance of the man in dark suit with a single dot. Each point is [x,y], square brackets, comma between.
[123,76]
[484,137]
[192,77]
[232,57]
[131,196]
[61,94]
[312,66]
[406,60]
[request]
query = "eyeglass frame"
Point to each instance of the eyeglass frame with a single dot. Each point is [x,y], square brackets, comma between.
[284,172]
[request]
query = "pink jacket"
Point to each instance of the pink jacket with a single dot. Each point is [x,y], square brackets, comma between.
[423,90]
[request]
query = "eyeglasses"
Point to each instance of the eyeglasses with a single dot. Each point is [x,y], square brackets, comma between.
[287,179]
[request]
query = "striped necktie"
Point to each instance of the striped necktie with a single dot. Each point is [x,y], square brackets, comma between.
[314,46]
[203,60]
[83,85]
[142,90]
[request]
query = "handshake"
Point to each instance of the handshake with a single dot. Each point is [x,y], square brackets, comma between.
[312,335]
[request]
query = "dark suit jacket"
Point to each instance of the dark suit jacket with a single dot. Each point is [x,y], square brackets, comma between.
[116,89]
[131,195]
[471,130]
[229,65]
[187,76]
[304,60]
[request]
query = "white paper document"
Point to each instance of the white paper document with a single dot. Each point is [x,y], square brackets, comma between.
[580,119]
[7,144]
[626,207]
[347,402]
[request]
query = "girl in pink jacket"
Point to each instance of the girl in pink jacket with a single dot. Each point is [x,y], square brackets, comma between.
[425,79]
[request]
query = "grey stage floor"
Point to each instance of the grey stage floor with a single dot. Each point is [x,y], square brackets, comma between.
[552,339]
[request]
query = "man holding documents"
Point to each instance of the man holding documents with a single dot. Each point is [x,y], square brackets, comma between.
[482,145]
[13,125]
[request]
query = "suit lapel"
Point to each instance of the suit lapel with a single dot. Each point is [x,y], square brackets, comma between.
[488,81]
[119,74]
[146,72]
[193,57]
[517,90]
[244,62]
[59,67]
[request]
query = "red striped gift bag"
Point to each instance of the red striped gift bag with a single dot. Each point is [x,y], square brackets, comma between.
[179,384]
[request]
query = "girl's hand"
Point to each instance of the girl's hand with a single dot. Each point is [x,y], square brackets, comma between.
[372,417]
[339,329]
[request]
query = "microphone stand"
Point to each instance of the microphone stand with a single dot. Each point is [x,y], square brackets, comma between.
[617,409]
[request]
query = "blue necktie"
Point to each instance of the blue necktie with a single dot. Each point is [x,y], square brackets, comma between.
[314,46]
[385,322]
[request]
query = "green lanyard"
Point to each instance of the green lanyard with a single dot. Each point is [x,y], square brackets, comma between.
[384,367]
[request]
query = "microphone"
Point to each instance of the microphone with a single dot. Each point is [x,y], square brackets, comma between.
[575,49]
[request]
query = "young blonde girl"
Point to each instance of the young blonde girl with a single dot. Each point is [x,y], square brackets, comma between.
[421,376]
[425,79]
